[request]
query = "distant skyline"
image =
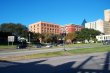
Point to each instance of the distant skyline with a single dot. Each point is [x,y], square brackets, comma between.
[54,11]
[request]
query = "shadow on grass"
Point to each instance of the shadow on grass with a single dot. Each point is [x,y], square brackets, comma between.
[37,67]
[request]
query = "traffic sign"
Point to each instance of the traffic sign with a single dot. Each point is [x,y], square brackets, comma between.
[11,38]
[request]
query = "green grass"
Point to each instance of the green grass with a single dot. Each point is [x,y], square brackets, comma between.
[11,48]
[90,50]
[81,44]
[60,53]
[7,47]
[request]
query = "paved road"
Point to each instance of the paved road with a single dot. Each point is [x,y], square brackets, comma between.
[19,53]
[89,63]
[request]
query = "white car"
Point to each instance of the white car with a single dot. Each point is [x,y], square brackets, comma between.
[48,46]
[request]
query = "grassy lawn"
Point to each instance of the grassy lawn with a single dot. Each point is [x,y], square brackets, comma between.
[60,53]
[11,48]
[90,50]
[4,47]
[89,44]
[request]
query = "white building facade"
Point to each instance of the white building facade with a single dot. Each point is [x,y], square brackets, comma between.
[103,37]
[107,15]
[96,25]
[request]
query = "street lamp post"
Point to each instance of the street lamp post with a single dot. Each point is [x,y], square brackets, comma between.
[64,34]
[29,41]
[64,41]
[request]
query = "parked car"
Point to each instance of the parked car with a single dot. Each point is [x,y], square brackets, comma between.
[38,46]
[106,42]
[48,45]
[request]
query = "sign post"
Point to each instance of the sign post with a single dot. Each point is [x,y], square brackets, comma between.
[10,39]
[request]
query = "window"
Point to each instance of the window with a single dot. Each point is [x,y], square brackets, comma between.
[44,24]
[47,28]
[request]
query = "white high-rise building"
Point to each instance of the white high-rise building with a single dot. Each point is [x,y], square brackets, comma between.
[96,25]
[101,25]
[107,15]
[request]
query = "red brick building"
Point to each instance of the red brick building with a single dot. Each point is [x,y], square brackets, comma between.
[71,28]
[44,27]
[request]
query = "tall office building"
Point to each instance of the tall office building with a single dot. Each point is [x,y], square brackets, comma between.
[44,27]
[107,20]
[107,15]
[83,23]
[107,28]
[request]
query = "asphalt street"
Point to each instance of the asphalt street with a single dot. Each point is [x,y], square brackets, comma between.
[88,63]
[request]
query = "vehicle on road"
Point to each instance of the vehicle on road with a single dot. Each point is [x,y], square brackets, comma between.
[106,42]
[22,45]
[48,45]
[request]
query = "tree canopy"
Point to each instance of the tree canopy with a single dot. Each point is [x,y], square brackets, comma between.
[87,34]
[16,29]
[70,36]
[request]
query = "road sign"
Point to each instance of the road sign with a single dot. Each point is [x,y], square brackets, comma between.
[10,38]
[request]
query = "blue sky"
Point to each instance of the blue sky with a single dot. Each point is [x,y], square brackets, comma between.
[55,11]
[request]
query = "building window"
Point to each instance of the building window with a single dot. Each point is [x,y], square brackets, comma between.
[47,28]
[42,30]
[44,24]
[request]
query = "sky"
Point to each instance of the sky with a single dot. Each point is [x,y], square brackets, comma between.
[54,11]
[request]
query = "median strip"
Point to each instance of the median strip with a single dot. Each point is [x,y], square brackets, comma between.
[58,53]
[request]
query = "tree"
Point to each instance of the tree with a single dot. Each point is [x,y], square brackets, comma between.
[3,37]
[16,29]
[87,34]
[34,37]
[70,36]
[46,38]
[54,38]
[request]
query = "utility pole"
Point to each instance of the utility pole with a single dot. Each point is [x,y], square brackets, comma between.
[29,37]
